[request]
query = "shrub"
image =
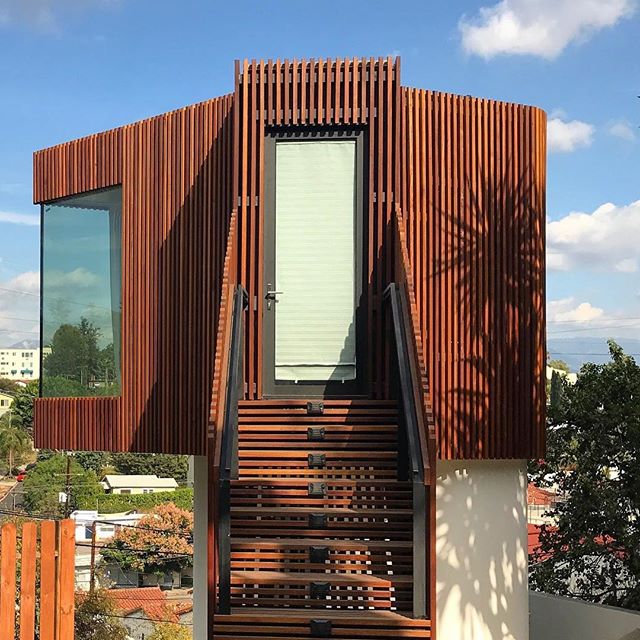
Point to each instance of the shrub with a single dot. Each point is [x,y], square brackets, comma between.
[117,502]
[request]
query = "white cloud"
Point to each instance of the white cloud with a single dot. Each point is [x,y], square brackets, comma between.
[44,15]
[78,278]
[538,27]
[567,310]
[19,308]
[622,129]
[19,218]
[606,239]
[565,136]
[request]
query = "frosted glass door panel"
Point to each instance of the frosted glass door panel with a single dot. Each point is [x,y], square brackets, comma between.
[315,266]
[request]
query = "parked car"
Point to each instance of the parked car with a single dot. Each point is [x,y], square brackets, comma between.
[21,476]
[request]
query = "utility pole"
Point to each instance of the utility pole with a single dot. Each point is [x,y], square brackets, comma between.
[92,570]
[67,489]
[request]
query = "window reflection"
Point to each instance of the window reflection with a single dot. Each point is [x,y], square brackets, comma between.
[81,294]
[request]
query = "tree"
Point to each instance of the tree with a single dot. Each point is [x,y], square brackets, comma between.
[9,385]
[96,618]
[22,406]
[163,465]
[561,365]
[161,542]
[96,461]
[49,477]
[593,457]
[74,352]
[170,631]
[13,440]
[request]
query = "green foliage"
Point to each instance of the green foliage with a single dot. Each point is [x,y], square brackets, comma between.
[76,363]
[593,457]
[163,465]
[95,618]
[14,441]
[117,502]
[96,461]
[559,364]
[170,631]
[9,385]
[48,478]
[160,542]
[61,387]
[22,406]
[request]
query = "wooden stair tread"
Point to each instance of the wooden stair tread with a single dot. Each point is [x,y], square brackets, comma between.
[333,511]
[299,578]
[304,616]
[326,542]
[248,480]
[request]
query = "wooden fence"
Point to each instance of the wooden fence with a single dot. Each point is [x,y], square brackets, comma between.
[37,581]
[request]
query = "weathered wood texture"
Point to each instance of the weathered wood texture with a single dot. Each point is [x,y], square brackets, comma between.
[47,572]
[176,179]
[473,194]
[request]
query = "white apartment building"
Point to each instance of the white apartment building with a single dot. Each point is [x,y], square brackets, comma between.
[20,364]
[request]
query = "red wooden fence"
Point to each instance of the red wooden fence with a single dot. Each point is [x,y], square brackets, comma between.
[39,578]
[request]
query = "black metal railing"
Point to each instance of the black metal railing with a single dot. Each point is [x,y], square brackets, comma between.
[410,458]
[229,448]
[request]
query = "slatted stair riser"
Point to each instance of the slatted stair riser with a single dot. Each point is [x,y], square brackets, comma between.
[321,526]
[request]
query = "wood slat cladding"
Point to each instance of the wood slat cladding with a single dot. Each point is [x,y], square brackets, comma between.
[175,172]
[468,175]
[318,93]
[473,193]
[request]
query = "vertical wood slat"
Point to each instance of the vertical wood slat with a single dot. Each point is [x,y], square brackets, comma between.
[47,580]
[454,164]
[28,581]
[56,573]
[8,542]
[476,246]
[171,276]
[316,93]
[66,581]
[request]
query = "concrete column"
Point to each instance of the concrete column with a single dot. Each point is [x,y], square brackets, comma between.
[198,474]
[481,548]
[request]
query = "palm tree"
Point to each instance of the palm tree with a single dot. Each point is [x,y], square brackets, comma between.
[13,439]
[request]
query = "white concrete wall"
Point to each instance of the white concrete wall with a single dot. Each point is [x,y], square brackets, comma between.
[199,467]
[558,618]
[481,547]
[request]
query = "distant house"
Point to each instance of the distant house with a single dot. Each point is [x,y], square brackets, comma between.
[142,608]
[6,399]
[137,484]
[106,524]
[571,377]
[539,503]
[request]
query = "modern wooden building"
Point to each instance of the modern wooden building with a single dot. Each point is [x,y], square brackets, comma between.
[329,288]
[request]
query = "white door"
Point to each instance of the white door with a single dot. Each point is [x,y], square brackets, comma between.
[315,266]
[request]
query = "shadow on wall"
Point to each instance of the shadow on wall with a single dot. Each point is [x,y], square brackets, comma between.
[481,549]
[493,267]
[184,273]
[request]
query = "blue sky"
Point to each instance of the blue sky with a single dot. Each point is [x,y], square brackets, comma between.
[74,67]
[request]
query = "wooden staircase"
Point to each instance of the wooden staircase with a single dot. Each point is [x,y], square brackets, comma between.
[321,528]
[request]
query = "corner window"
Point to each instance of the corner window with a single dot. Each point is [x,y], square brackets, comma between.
[81,294]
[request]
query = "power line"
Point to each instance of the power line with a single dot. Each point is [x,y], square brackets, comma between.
[563,353]
[37,295]
[580,321]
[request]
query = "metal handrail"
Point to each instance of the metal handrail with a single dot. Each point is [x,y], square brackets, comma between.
[410,462]
[229,447]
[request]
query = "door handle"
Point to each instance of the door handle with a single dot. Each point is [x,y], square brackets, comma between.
[271,296]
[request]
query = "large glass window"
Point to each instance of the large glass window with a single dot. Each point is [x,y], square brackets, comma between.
[81,295]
